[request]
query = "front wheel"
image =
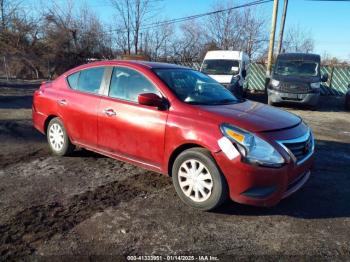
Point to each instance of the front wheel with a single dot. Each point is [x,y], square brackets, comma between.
[197,179]
[58,139]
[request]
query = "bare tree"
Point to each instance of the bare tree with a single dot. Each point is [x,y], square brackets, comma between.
[53,42]
[253,34]
[133,14]
[237,29]
[188,45]
[124,12]
[19,41]
[157,40]
[298,40]
[224,28]
[7,10]
[72,39]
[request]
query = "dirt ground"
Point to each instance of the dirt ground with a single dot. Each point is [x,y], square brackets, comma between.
[90,206]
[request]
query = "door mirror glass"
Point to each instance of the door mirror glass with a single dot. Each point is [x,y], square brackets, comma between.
[150,99]
[324,77]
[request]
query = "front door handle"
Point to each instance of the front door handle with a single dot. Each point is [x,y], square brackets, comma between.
[109,112]
[62,102]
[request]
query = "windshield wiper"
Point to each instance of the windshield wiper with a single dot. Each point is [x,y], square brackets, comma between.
[225,102]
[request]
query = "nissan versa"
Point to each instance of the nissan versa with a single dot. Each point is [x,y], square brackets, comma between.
[178,121]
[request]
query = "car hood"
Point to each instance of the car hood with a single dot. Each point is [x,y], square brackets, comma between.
[253,116]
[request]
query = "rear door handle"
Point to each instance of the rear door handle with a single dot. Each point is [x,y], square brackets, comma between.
[62,102]
[109,112]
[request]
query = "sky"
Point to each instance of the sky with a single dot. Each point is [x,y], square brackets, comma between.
[327,21]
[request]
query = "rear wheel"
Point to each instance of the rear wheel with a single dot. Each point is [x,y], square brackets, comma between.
[58,139]
[197,179]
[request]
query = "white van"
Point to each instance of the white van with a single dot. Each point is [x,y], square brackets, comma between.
[229,68]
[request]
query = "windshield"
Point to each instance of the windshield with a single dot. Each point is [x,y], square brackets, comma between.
[297,68]
[220,67]
[193,87]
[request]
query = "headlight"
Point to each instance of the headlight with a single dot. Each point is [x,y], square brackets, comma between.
[252,148]
[275,83]
[315,85]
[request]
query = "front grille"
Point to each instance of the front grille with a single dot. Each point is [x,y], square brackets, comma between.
[301,148]
[300,88]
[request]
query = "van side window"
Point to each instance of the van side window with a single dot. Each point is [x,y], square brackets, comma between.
[88,80]
[127,84]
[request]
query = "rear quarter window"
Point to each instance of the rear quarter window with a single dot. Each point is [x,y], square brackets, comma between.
[73,80]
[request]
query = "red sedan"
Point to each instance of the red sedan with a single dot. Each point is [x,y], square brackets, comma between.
[180,122]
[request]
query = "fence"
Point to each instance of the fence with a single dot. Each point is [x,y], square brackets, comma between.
[337,84]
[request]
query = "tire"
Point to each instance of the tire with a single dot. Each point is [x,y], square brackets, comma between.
[58,139]
[198,196]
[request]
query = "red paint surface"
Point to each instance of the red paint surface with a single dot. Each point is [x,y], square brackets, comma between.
[148,136]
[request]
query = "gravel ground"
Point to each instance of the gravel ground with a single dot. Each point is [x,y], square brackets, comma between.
[90,206]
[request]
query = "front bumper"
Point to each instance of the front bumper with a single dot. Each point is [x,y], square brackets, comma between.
[262,186]
[281,97]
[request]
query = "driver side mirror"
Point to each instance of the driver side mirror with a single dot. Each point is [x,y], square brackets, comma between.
[150,99]
[324,77]
[244,73]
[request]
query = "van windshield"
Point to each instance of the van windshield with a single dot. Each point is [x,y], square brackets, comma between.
[193,87]
[220,67]
[297,68]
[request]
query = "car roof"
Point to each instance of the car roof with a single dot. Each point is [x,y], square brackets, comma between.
[150,64]
[133,63]
[224,54]
[139,63]
[297,56]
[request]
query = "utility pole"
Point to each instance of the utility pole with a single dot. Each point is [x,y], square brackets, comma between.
[280,38]
[272,40]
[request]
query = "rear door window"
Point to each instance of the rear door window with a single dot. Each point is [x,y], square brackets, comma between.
[88,80]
